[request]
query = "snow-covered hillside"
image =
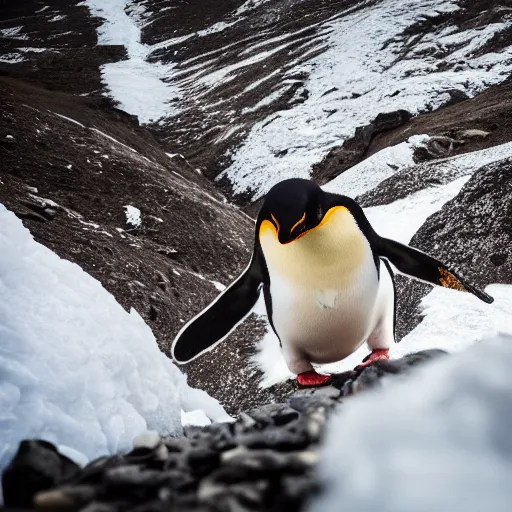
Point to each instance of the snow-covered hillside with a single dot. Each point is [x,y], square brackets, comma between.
[288,88]
[77,369]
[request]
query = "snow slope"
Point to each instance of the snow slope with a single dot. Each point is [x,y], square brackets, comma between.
[136,84]
[438,441]
[368,68]
[75,368]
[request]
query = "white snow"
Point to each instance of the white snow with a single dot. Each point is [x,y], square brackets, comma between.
[370,172]
[13,32]
[402,218]
[438,441]
[31,49]
[195,418]
[133,216]
[137,84]
[249,6]
[12,58]
[77,369]
[218,286]
[358,61]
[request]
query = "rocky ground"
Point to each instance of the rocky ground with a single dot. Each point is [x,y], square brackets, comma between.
[72,158]
[265,460]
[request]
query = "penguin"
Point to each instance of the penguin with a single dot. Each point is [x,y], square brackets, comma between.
[326,279]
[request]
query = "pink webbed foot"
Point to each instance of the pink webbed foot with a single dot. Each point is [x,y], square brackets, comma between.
[312,379]
[379,354]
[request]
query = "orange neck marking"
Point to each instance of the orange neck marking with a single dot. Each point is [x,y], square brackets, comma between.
[327,217]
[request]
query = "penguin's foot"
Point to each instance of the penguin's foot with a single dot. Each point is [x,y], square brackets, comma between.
[378,354]
[312,379]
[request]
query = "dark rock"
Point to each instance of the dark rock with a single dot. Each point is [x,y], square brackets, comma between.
[466,233]
[354,150]
[176,444]
[293,436]
[370,376]
[436,147]
[202,460]
[273,414]
[308,400]
[36,467]
[181,481]
[133,475]
[295,492]
[96,506]
[66,498]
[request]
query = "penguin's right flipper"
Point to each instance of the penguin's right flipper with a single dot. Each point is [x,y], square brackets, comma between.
[419,265]
[213,324]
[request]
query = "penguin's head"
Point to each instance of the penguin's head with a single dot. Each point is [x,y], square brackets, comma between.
[293,207]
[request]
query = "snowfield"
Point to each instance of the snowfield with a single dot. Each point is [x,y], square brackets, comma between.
[77,369]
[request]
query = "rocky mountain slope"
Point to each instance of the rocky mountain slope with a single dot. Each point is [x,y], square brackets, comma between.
[263,461]
[246,93]
[137,139]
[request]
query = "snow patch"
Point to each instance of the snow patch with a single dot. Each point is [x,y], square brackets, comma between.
[401,219]
[195,418]
[249,6]
[12,58]
[138,85]
[13,32]
[59,17]
[133,216]
[370,172]
[77,369]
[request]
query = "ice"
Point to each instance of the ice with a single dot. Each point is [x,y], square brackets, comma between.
[439,441]
[133,216]
[77,369]
[194,418]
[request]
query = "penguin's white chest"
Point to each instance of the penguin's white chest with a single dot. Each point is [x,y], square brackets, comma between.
[323,287]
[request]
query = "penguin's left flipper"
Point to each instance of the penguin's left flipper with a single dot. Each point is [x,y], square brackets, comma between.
[214,323]
[419,265]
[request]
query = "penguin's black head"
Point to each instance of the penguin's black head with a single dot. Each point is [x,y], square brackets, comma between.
[293,206]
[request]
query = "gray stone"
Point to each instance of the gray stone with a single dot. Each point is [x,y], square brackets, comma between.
[36,467]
